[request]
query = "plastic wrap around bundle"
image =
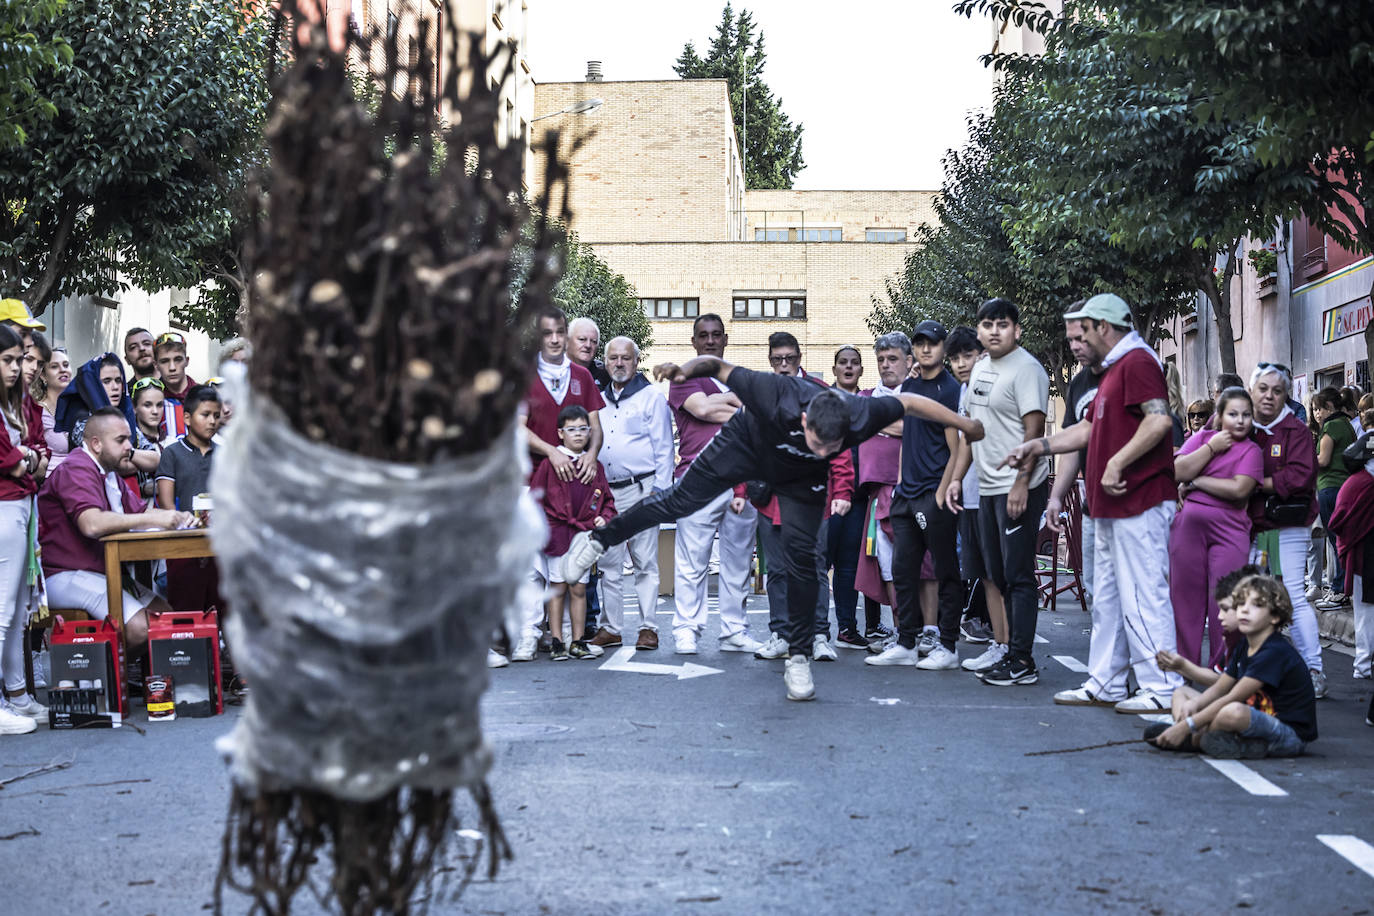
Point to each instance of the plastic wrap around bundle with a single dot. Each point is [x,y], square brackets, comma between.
[362,599]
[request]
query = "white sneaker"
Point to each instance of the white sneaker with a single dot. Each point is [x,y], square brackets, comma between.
[12,723]
[776,647]
[28,706]
[496,659]
[939,659]
[1144,701]
[740,642]
[895,654]
[686,642]
[525,649]
[927,643]
[821,650]
[796,675]
[991,656]
[582,555]
[596,651]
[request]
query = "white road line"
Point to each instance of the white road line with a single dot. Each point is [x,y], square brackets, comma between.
[1073,664]
[1351,848]
[1244,777]
[1039,638]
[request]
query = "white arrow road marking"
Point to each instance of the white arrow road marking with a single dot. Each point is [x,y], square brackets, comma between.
[620,661]
[1073,664]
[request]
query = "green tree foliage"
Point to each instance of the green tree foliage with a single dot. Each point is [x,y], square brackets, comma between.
[1133,151]
[25,55]
[139,172]
[772,144]
[981,249]
[589,288]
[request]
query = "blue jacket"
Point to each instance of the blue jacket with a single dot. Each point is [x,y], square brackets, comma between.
[85,395]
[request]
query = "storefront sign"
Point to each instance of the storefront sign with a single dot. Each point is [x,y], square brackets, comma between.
[1346,320]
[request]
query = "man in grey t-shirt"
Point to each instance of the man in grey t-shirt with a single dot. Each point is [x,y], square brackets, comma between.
[1009,392]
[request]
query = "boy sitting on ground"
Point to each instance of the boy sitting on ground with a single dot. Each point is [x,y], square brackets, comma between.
[1206,677]
[570,506]
[1263,705]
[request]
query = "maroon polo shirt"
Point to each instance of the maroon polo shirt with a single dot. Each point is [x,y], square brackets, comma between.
[542,410]
[77,484]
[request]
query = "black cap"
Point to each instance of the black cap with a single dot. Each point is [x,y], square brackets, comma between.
[931,330]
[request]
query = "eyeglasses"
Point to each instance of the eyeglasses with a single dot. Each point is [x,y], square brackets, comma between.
[577,429]
[790,359]
[169,337]
[142,383]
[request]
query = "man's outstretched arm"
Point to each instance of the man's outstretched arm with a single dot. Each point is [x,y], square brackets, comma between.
[696,367]
[917,405]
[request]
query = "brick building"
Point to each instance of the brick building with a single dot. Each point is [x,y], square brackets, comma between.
[657,190]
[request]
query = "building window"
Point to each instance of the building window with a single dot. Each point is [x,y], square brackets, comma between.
[767,306]
[885,235]
[671,308]
[797,235]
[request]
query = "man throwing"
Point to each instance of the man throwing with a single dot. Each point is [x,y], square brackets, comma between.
[785,436]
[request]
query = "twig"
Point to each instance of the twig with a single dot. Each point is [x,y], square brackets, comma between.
[46,768]
[1086,747]
[14,836]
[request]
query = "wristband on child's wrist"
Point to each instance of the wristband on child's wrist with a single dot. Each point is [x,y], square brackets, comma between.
[1192,726]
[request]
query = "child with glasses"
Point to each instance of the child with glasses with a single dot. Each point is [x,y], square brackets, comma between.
[570,506]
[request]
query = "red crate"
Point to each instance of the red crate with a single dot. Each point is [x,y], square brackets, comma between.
[192,637]
[80,632]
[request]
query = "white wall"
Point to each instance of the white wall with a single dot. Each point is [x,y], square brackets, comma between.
[88,328]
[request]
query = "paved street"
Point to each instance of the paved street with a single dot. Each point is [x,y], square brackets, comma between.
[897,790]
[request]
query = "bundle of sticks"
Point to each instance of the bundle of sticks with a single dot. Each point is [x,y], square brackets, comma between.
[378,439]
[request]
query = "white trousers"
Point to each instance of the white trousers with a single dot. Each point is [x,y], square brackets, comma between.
[692,559]
[1088,547]
[1364,629]
[642,550]
[1293,544]
[1132,615]
[14,590]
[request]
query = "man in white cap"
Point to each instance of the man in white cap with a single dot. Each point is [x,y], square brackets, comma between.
[1130,478]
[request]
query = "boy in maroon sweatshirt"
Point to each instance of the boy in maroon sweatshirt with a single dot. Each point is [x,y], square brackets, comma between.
[570,506]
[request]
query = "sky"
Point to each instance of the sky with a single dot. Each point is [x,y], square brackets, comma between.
[883,94]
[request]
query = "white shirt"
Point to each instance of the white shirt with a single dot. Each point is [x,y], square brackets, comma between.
[637,436]
[555,377]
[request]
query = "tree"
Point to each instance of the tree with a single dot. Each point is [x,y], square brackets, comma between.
[1131,151]
[587,288]
[24,57]
[139,172]
[980,249]
[771,144]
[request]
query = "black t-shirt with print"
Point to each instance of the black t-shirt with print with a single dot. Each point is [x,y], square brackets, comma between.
[1287,693]
[771,424]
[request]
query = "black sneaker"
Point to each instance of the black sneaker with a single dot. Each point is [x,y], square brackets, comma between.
[1230,746]
[1011,671]
[850,639]
[879,633]
[976,631]
[557,651]
[578,649]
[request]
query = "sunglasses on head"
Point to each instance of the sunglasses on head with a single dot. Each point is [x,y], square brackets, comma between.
[170,337]
[142,383]
[1279,366]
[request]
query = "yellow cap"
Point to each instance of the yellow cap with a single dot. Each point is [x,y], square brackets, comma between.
[18,312]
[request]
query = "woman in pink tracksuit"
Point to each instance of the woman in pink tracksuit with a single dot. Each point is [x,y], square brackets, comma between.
[1218,469]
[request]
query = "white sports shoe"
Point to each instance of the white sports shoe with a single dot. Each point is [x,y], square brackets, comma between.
[12,723]
[28,706]
[895,654]
[939,659]
[686,642]
[496,659]
[796,675]
[821,650]
[740,642]
[1144,701]
[582,555]
[776,647]
[525,649]
[991,656]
